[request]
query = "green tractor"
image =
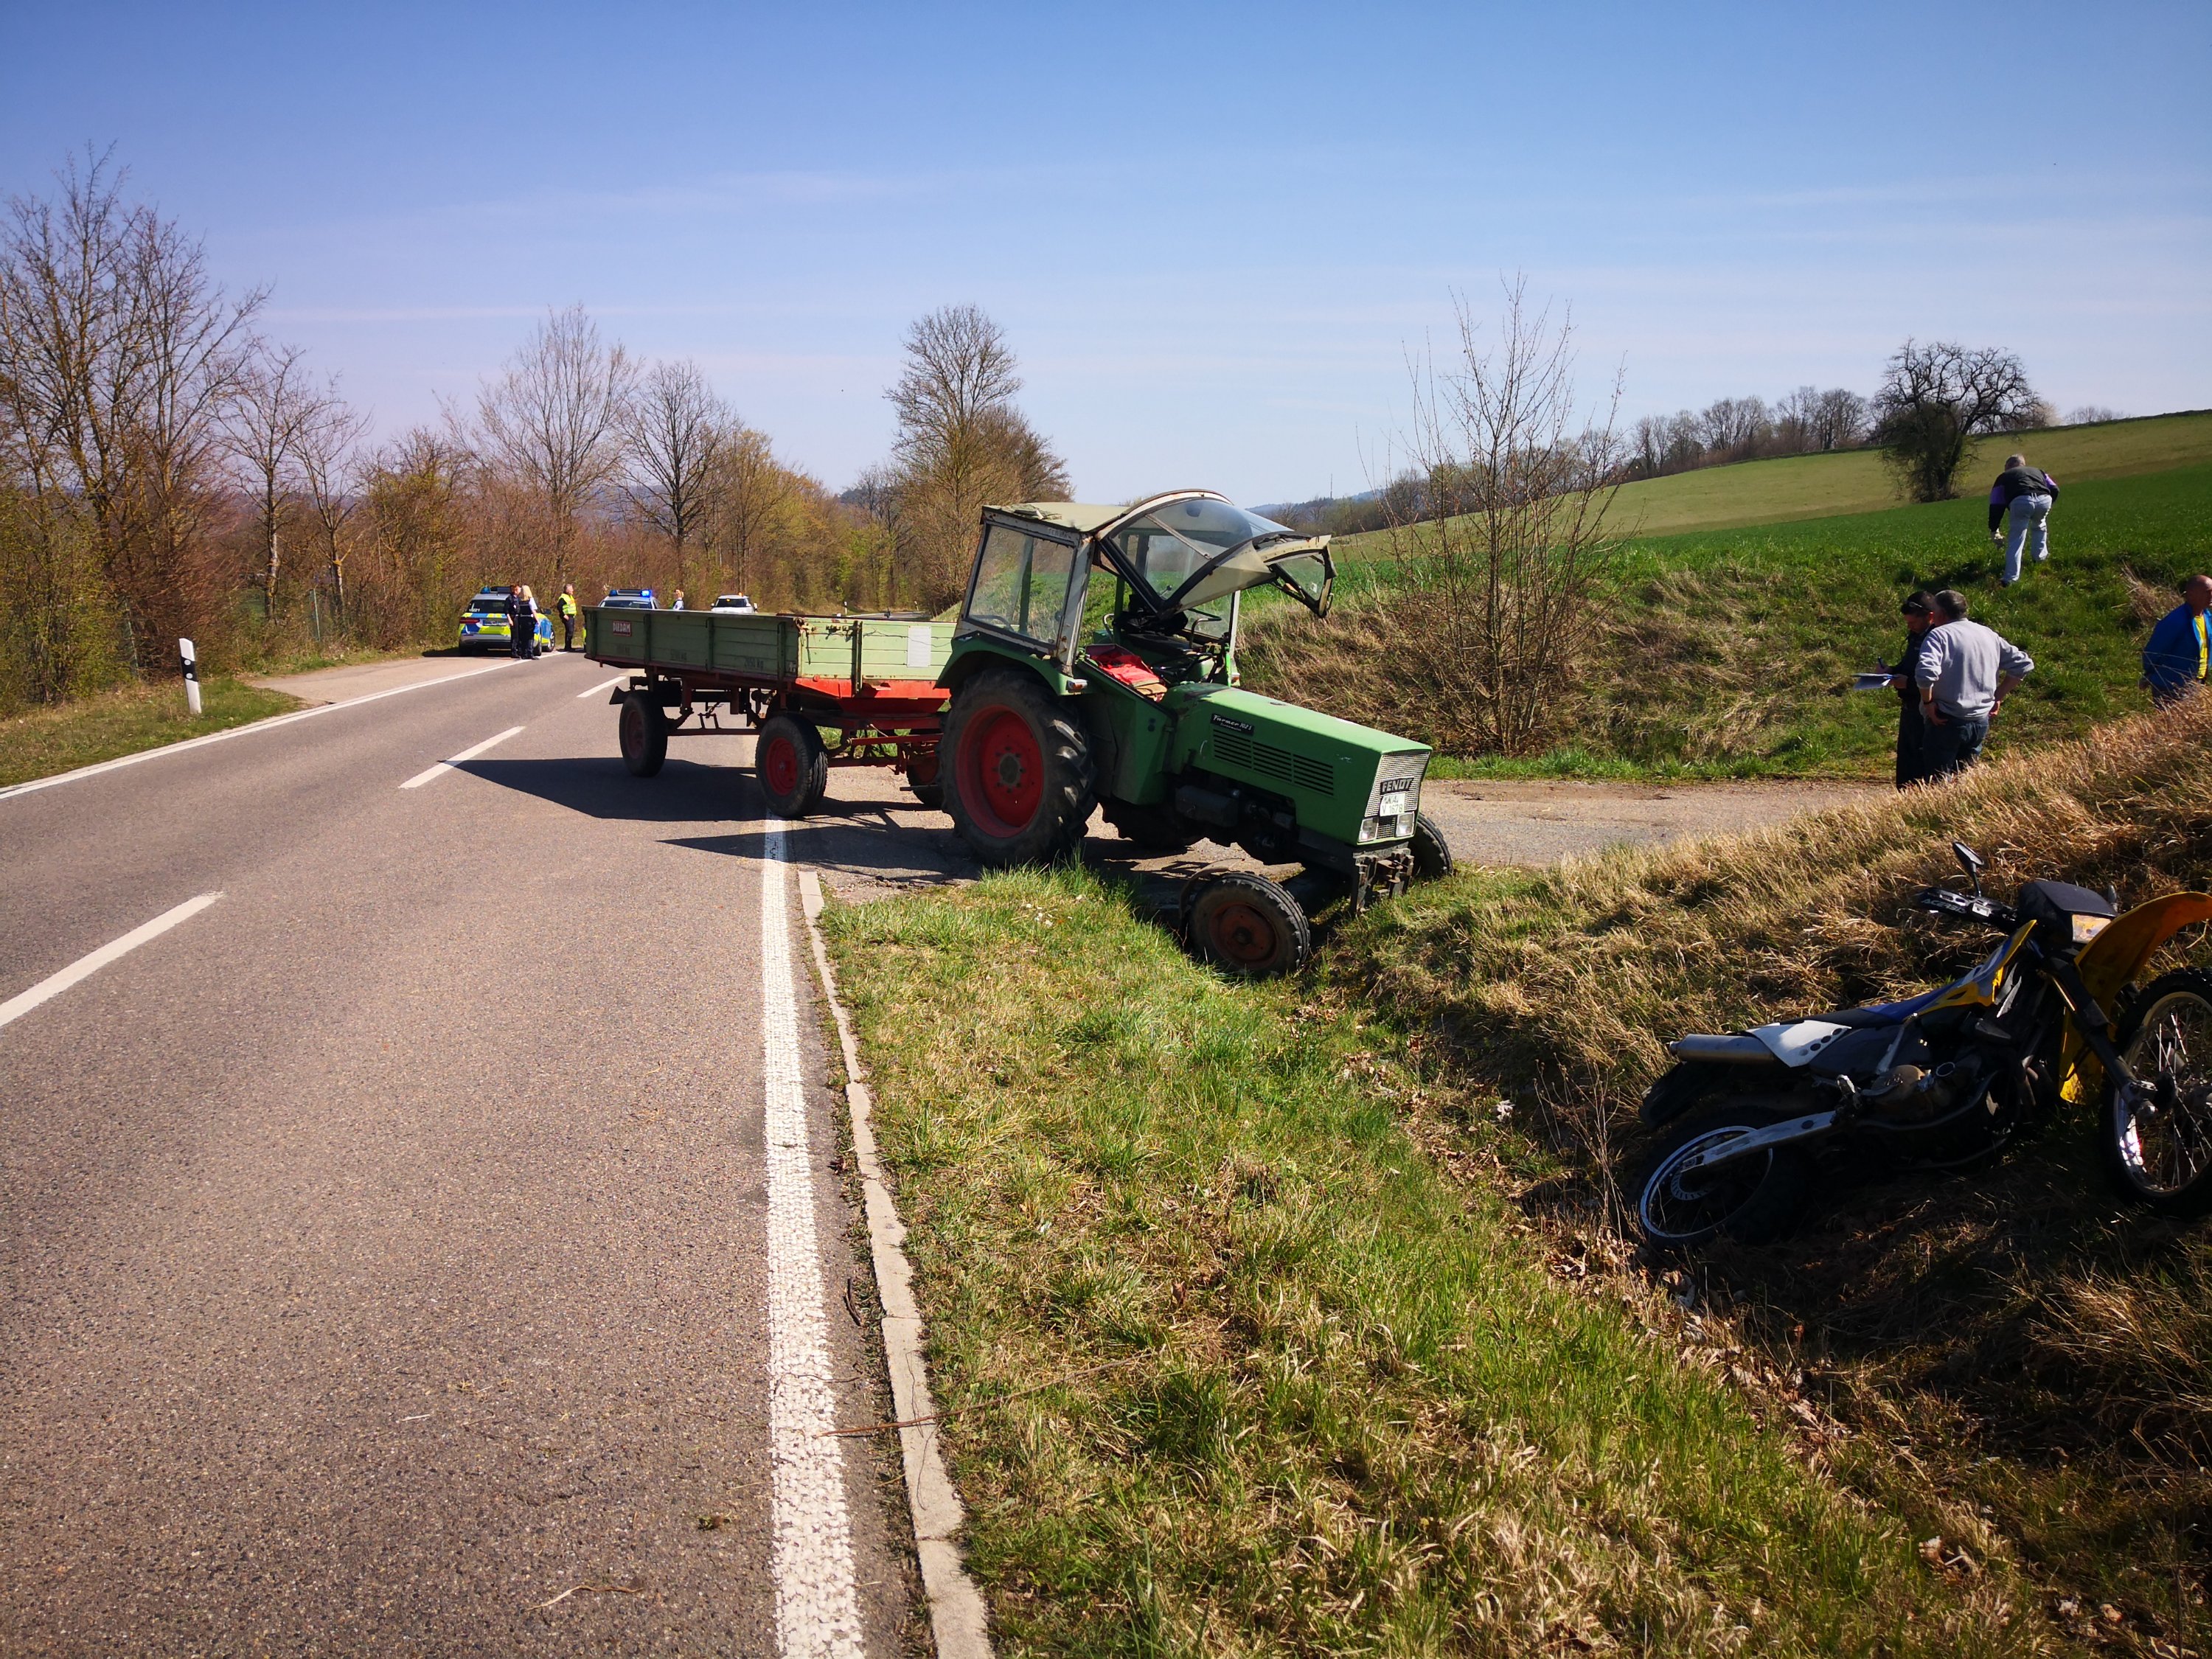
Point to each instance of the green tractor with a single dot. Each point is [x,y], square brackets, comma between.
[1095,668]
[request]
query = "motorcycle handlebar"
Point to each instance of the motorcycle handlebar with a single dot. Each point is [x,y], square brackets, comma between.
[1942,901]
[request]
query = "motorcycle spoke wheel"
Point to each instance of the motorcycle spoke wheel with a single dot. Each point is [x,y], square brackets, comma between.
[1752,1199]
[2160,1133]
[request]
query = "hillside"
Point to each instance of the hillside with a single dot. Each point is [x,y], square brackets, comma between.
[1728,651]
[1854,480]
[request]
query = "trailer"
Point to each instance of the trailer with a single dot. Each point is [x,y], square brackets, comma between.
[818,691]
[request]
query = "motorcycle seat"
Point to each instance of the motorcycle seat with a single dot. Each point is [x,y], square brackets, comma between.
[1883,1013]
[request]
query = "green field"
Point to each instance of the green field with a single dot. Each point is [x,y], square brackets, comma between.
[1728,651]
[114,723]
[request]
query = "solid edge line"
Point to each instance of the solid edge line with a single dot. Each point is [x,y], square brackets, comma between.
[602,686]
[90,963]
[811,1560]
[958,1620]
[182,743]
[453,761]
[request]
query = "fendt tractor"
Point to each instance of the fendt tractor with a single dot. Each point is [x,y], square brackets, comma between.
[1092,669]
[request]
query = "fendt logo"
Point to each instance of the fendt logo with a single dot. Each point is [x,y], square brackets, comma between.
[1245,727]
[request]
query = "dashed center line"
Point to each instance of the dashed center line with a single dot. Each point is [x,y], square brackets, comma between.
[604,685]
[445,766]
[85,966]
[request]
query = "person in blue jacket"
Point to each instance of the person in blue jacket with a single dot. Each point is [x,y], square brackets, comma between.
[2178,657]
[2024,496]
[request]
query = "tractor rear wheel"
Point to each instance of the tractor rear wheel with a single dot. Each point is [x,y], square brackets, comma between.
[643,730]
[793,767]
[1245,924]
[1023,783]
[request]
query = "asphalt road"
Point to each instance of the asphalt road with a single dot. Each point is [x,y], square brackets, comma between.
[384,1247]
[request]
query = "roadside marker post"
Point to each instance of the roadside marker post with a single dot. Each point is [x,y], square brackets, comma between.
[191,676]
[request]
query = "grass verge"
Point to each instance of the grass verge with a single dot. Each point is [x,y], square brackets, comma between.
[1231,1360]
[2014,1342]
[121,722]
[1730,654]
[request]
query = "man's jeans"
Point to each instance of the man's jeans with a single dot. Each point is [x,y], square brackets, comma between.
[2027,530]
[1954,745]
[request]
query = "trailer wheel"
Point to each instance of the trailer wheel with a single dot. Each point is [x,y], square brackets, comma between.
[791,765]
[1431,853]
[925,776]
[1245,924]
[1022,785]
[644,731]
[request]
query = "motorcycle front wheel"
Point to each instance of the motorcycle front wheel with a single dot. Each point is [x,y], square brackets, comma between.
[2158,1138]
[1752,1200]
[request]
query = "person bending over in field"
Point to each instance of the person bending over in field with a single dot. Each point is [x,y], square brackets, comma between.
[2024,496]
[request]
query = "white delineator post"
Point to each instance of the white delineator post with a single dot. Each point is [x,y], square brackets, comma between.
[191,676]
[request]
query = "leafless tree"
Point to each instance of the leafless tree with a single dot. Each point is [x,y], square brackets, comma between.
[1508,554]
[675,435]
[1731,427]
[328,449]
[2093,415]
[276,400]
[1934,398]
[117,355]
[554,421]
[961,443]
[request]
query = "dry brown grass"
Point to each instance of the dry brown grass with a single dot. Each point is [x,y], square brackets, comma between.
[2012,1345]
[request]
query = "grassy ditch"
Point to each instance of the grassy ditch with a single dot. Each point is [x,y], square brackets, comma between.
[1233,1358]
[1730,653]
[121,722]
[2014,1342]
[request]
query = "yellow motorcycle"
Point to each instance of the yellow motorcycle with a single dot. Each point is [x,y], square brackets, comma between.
[1951,1077]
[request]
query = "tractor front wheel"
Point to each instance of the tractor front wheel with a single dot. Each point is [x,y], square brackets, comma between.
[643,730]
[793,767]
[1245,924]
[1432,856]
[1023,783]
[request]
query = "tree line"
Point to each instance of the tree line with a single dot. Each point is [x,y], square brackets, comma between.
[166,469]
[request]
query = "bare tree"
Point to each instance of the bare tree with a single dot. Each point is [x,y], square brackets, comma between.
[1934,398]
[554,421]
[961,443]
[117,355]
[274,401]
[328,449]
[1511,548]
[2093,415]
[675,435]
[1731,427]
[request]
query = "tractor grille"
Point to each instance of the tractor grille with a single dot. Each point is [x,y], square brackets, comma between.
[1266,760]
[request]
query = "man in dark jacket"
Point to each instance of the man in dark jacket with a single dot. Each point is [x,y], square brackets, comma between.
[521,622]
[1912,729]
[2176,659]
[2024,496]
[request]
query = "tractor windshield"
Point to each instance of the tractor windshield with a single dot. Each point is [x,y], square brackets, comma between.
[1194,555]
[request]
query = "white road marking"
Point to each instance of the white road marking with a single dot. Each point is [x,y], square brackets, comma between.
[603,685]
[240,731]
[84,967]
[445,766]
[817,1608]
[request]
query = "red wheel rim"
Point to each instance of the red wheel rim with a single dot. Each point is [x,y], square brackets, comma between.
[1243,933]
[779,766]
[1002,771]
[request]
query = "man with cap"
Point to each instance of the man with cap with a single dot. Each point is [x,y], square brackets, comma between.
[2176,659]
[1911,730]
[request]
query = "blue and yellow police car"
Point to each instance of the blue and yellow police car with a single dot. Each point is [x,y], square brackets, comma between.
[484,624]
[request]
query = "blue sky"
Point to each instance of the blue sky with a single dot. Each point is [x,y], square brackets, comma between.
[1212,233]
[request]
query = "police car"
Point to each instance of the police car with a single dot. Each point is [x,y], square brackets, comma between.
[627,599]
[484,624]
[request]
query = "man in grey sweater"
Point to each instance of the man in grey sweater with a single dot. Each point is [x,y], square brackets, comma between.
[1965,675]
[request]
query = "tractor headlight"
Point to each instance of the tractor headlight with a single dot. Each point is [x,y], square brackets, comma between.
[1395,801]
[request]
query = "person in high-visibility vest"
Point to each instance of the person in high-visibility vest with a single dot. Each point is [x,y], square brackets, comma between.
[2176,659]
[568,617]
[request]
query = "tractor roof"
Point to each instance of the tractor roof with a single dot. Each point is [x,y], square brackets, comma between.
[1087,519]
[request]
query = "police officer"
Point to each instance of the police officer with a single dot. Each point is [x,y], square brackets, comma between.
[1911,730]
[521,622]
[569,616]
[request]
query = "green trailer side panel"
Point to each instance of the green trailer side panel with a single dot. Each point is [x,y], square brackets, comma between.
[769,646]
[619,635]
[892,649]
[761,644]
